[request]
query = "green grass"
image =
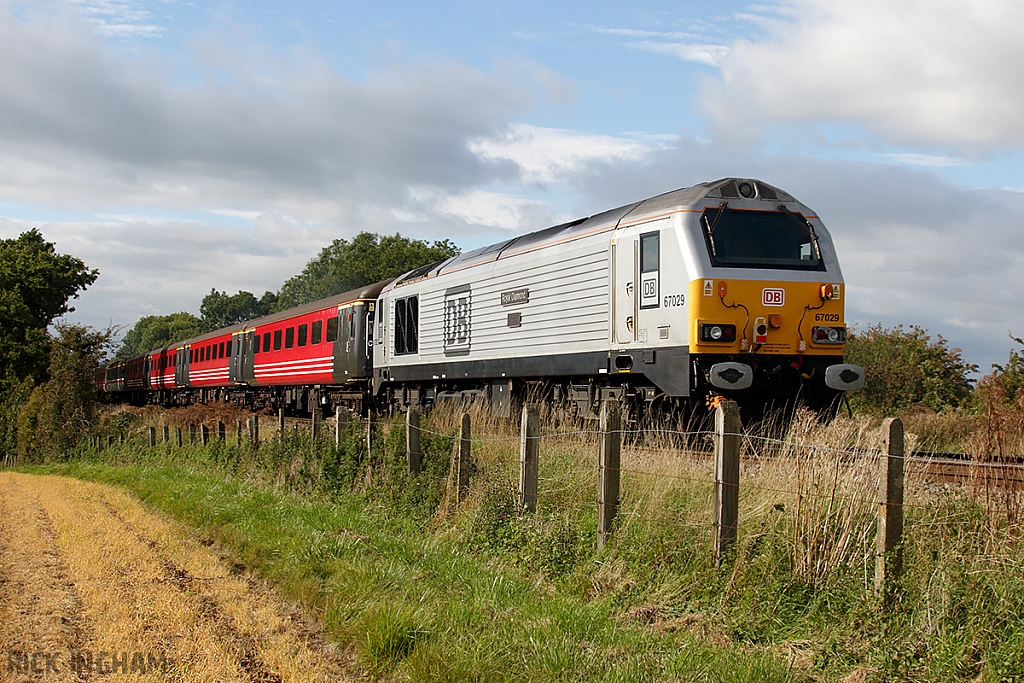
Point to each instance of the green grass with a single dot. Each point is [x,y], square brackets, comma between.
[427,592]
[419,605]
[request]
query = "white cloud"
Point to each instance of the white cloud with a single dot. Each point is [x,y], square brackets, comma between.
[922,73]
[117,17]
[553,155]
[927,160]
[236,128]
[700,53]
[480,208]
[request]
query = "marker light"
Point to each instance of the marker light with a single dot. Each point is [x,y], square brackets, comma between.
[718,333]
[825,292]
[828,335]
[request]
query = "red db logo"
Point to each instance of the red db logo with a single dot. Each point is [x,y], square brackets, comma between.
[773,297]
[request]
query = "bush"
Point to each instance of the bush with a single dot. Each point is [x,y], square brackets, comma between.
[907,367]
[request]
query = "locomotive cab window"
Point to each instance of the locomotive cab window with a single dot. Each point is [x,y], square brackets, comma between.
[317,332]
[407,325]
[778,240]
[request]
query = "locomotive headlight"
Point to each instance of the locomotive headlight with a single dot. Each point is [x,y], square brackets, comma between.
[833,335]
[718,333]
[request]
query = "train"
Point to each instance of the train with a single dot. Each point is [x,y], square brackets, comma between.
[728,288]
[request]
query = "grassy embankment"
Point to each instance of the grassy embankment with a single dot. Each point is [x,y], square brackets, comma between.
[429,592]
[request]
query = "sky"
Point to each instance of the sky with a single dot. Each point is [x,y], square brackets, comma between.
[181,147]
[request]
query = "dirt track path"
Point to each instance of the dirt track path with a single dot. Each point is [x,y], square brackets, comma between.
[95,587]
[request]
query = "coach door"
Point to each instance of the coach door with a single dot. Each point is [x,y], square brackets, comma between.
[350,347]
[248,361]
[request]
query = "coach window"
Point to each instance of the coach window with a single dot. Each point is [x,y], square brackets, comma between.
[289,338]
[266,342]
[332,328]
[229,347]
[318,332]
[277,340]
[303,329]
[220,350]
[256,344]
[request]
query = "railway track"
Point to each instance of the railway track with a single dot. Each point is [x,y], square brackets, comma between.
[1002,471]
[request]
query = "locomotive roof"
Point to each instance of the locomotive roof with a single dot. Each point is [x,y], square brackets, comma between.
[726,188]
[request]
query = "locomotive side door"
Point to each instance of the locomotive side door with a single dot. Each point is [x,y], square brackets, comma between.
[637,289]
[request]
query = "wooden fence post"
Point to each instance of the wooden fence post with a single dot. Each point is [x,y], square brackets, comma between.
[110,442]
[280,424]
[222,431]
[610,467]
[413,456]
[727,477]
[238,431]
[370,419]
[204,432]
[167,433]
[152,437]
[254,431]
[889,540]
[318,418]
[463,462]
[192,435]
[529,458]
[180,439]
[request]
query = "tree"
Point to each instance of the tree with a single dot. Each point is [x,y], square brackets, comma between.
[220,310]
[1006,381]
[58,414]
[907,367]
[157,331]
[36,284]
[368,258]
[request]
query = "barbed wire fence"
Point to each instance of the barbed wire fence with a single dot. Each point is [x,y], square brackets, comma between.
[844,500]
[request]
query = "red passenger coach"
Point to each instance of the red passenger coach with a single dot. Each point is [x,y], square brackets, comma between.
[209,358]
[296,350]
[316,352]
[161,369]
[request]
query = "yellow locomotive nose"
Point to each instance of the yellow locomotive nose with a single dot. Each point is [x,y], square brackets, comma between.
[770,317]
